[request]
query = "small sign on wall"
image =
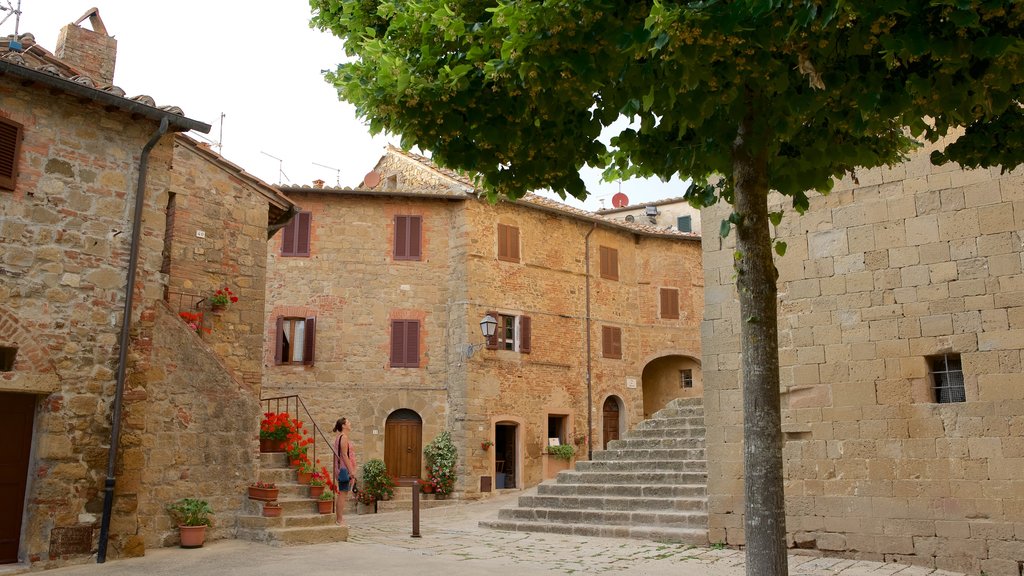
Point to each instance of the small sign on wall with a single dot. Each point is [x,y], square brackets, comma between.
[630,382]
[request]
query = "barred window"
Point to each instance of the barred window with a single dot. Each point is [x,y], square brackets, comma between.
[948,378]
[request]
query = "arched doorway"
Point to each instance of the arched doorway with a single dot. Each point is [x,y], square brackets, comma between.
[668,378]
[403,446]
[611,420]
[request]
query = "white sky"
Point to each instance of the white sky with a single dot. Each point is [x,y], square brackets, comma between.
[259,63]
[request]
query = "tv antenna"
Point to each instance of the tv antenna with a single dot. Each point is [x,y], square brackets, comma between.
[6,6]
[281,176]
[219,144]
[337,173]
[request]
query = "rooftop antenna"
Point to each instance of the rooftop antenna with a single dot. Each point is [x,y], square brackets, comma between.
[15,11]
[281,176]
[337,173]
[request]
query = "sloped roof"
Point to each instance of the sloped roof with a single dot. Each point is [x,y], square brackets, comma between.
[642,205]
[35,64]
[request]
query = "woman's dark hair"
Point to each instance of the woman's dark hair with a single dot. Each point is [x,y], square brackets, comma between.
[339,424]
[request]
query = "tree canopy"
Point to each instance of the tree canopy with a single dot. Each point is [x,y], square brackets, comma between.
[741,96]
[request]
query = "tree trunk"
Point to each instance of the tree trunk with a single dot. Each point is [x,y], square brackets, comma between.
[765,511]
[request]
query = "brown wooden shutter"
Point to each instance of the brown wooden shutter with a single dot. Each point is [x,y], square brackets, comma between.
[288,237]
[611,342]
[401,251]
[492,342]
[302,233]
[279,342]
[415,237]
[309,345]
[10,150]
[513,243]
[502,241]
[412,343]
[616,342]
[614,264]
[605,259]
[669,303]
[397,343]
[524,334]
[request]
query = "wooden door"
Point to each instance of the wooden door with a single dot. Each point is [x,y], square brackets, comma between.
[611,420]
[16,414]
[403,446]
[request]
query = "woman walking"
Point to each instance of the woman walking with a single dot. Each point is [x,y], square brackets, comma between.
[344,467]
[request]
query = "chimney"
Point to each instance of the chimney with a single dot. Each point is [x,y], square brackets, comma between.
[91,52]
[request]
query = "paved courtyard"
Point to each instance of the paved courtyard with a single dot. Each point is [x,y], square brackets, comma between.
[452,544]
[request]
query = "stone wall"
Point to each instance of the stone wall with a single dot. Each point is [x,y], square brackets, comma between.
[906,263]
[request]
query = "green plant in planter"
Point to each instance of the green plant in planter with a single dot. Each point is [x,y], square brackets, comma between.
[562,451]
[191,512]
[326,496]
[441,457]
[375,481]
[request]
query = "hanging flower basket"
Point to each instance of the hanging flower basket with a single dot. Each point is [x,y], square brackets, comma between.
[272,509]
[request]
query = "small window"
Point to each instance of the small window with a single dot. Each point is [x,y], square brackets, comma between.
[408,239]
[10,150]
[511,333]
[669,303]
[405,343]
[684,224]
[7,355]
[295,236]
[611,342]
[686,378]
[558,429]
[948,378]
[609,263]
[296,341]
[508,243]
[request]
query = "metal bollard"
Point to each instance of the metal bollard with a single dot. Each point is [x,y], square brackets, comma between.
[416,508]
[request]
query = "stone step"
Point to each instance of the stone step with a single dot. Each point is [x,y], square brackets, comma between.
[613,503]
[638,477]
[687,433]
[648,518]
[696,536]
[656,443]
[603,466]
[650,454]
[406,505]
[274,460]
[278,476]
[624,490]
[696,402]
[295,536]
[679,412]
[286,521]
[691,422]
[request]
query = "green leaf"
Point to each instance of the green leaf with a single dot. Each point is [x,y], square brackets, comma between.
[775,218]
[723,230]
[780,248]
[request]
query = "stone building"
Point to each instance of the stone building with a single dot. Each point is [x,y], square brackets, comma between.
[376,295]
[75,154]
[668,213]
[901,328]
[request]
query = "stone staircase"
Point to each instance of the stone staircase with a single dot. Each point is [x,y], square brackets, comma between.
[651,484]
[299,522]
[402,500]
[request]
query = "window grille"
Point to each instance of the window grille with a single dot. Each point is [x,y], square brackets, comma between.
[948,378]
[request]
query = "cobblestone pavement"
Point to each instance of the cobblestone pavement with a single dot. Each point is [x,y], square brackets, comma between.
[453,545]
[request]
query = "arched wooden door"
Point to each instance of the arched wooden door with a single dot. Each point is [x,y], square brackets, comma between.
[16,415]
[610,420]
[403,446]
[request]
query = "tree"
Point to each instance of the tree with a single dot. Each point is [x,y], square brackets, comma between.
[741,96]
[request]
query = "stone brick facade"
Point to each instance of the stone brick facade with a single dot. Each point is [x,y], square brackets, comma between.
[883,276]
[190,402]
[354,287]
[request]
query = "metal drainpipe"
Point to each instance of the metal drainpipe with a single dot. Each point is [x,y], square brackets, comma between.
[122,357]
[590,394]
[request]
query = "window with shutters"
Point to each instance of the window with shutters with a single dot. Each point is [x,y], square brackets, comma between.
[405,343]
[508,243]
[296,341]
[10,150]
[408,237]
[611,342]
[684,224]
[512,333]
[948,379]
[669,303]
[609,263]
[295,236]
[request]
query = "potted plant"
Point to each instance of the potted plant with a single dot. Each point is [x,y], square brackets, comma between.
[367,503]
[325,502]
[562,451]
[265,491]
[375,480]
[271,509]
[304,471]
[441,459]
[317,484]
[486,445]
[221,298]
[193,516]
[274,430]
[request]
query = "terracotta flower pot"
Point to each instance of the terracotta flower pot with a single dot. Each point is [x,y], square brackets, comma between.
[304,477]
[325,506]
[265,494]
[272,510]
[315,491]
[192,536]
[269,445]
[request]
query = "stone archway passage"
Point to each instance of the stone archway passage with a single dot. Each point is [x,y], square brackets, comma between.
[16,414]
[610,420]
[403,446]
